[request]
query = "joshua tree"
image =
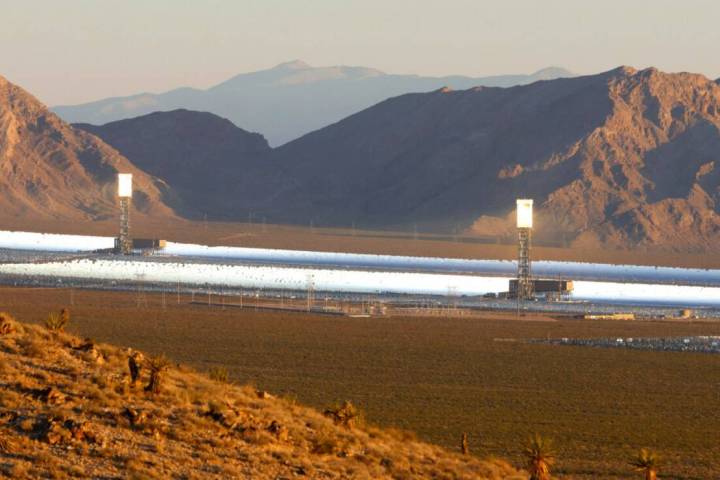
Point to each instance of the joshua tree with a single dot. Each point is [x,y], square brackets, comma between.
[158,366]
[646,461]
[464,445]
[540,457]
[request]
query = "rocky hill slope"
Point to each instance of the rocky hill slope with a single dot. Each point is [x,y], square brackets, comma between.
[622,158]
[53,171]
[70,408]
[206,159]
[288,100]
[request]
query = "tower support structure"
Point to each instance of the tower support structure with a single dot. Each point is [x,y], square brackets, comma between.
[524,273]
[124,242]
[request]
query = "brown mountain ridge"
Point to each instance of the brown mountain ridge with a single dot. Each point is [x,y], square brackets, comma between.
[624,158]
[51,170]
[204,157]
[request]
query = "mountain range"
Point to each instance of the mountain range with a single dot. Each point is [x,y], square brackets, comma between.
[289,100]
[621,158]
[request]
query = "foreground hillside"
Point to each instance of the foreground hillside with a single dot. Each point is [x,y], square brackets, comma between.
[69,409]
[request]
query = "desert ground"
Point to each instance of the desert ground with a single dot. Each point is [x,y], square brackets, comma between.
[439,376]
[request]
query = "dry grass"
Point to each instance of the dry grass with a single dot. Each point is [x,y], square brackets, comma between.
[72,413]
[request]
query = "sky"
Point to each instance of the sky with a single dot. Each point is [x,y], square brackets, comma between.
[74,51]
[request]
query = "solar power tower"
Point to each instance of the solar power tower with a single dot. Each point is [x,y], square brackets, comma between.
[524,226]
[123,244]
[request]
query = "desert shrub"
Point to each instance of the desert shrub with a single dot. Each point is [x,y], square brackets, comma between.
[136,469]
[20,470]
[216,410]
[326,442]
[219,374]
[157,366]
[281,432]
[464,444]
[7,324]
[76,471]
[346,415]
[27,425]
[257,436]
[135,367]
[57,322]
[32,347]
[5,444]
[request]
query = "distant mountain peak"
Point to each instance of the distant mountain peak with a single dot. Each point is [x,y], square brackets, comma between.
[553,72]
[625,70]
[292,65]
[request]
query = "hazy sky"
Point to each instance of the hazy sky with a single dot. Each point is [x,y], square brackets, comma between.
[71,51]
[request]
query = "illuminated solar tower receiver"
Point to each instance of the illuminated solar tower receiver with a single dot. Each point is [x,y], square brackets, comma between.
[123,244]
[524,226]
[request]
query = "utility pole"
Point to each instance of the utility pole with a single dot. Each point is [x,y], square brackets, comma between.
[310,291]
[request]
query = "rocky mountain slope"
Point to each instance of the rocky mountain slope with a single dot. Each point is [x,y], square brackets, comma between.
[206,159]
[53,171]
[71,408]
[288,100]
[621,158]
